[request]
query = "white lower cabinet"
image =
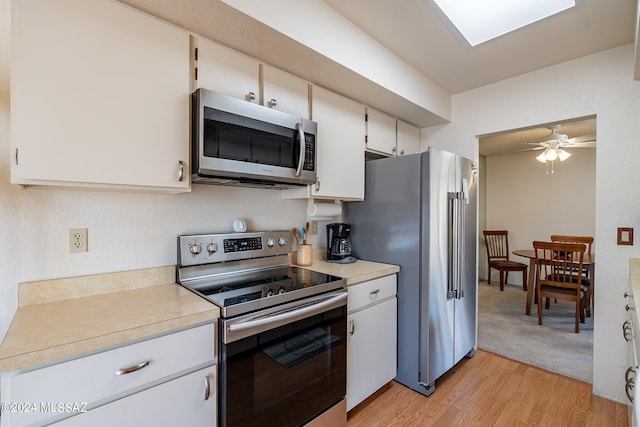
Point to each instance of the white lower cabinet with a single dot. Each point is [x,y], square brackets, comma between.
[189,400]
[120,386]
[372,337]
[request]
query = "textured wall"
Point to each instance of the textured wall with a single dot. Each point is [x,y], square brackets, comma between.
[127,230]
[599,84]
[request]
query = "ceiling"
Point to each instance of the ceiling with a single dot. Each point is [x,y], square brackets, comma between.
[414,32]
[518,140]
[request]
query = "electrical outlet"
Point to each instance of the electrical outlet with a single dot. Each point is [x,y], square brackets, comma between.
[78,240]
[314,228]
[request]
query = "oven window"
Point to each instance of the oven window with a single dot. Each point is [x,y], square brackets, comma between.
[286,376]
[231,137]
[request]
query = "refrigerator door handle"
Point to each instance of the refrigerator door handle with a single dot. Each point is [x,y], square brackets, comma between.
[452,271]
[456,244]
[462,200]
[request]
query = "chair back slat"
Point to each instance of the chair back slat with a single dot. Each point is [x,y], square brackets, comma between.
[587,240]
[559,264]
[497,242]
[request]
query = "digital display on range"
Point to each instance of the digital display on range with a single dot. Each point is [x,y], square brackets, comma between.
[243,244]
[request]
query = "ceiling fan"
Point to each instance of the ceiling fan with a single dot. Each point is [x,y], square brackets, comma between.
[554,146]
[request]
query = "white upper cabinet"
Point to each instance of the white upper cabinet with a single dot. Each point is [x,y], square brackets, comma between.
[381,132]
[408,138]
[99,97]
[224,70]
[340,148]
[285,92]
[390,137]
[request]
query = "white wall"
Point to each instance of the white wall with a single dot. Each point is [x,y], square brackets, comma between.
[522,198]
[126,230]
[599,84]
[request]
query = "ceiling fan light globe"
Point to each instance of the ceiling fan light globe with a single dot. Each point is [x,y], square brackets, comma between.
[552,154]
[563,155]
[542,158]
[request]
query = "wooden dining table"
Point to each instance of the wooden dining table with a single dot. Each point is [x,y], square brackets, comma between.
[589,261]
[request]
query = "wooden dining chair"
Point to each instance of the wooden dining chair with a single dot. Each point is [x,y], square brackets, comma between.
[497,242]
[557,278]
[586,281]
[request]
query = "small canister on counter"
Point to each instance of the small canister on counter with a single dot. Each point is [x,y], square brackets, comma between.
[304,255]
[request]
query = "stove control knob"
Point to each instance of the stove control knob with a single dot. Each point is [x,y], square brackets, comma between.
[212,248]
[270,242]
[282,241]
[196,248]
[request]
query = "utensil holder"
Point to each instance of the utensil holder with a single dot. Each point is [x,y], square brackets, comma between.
[304,255]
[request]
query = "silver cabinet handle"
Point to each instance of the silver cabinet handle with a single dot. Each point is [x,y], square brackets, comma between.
[134,368]
[317,184]
[352,327]
[628,307]
[627,331]
[180,170]
[251,96]
[627,295]
[303,147]
[373,293]
[273,103]
[207,387]
[630,383]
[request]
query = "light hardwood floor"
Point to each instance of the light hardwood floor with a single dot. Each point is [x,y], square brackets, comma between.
[490,390]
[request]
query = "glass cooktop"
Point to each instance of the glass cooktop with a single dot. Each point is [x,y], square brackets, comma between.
[255,290]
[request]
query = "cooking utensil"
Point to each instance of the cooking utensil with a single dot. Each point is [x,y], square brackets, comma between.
[296,234]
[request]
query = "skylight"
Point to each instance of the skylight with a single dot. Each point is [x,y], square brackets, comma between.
[481,20]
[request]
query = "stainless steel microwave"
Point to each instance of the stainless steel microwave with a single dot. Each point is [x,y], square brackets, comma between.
[236,142]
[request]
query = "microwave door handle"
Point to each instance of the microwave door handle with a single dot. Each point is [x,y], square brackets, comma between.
[303,147]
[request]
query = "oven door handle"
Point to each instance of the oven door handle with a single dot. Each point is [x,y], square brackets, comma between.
[254,326]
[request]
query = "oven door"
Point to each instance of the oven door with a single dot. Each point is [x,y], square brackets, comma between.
[286,365]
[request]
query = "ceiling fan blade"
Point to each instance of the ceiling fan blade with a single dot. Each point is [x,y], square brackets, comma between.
[584,138]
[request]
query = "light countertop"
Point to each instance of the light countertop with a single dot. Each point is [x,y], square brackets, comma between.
[634,277]
[62,318]
[357,272]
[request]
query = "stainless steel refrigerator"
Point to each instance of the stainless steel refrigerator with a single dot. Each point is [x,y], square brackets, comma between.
[420,212]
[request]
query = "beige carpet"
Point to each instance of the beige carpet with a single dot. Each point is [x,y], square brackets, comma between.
[504,329]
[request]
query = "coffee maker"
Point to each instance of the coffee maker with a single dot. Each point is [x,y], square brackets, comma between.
[338,244]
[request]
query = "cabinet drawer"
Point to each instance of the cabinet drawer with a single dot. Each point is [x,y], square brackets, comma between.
[371,292]
[92,378]
[179,402]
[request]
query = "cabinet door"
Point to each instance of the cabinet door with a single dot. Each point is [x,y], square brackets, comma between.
[189,400]
[99,97]
[371,350]
[381,132]
[285,92]
[408,138]
[340,146]
[227,71]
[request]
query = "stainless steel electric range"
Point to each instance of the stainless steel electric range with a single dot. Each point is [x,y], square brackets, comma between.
[283,329]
